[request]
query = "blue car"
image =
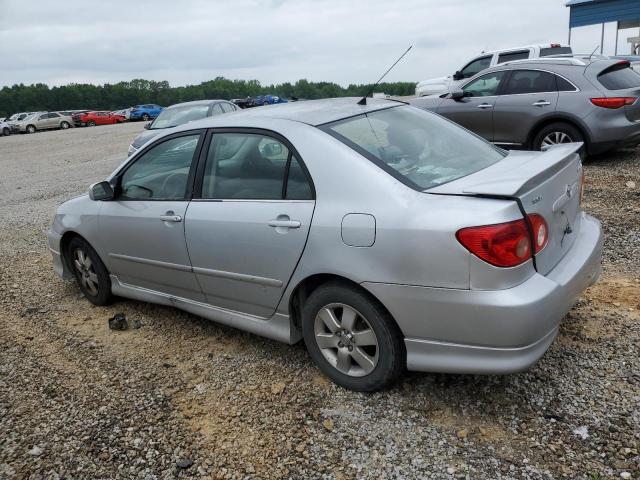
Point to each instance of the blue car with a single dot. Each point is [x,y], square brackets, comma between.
[145,112]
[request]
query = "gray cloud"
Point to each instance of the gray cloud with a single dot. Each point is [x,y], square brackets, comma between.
[345,41]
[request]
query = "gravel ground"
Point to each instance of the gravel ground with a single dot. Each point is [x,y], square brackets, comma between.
[183,397]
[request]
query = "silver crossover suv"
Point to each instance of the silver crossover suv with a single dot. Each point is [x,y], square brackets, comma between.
[384,236]
[537,103]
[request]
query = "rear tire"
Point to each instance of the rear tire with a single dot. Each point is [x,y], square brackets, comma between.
[557,133]
[6,131]
[360,347]
[64,125]
[90,273]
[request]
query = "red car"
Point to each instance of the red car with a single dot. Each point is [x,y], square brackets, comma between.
[91,119]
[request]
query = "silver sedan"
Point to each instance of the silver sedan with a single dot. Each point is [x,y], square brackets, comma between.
[384,236]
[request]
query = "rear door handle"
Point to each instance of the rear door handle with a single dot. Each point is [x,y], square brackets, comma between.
[285,223]
[485,105]
[170,217]
[541,103]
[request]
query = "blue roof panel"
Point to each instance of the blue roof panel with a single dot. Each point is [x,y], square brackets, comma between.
[592,12]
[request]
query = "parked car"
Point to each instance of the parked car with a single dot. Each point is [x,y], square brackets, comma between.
[126,113]
[538,103]
[43,121]
[5,129]
[437,86]
[145,112]
[93,118]
[15,119]
[180,114]
[383,235]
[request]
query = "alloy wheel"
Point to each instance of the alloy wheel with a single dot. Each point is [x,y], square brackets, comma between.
[86,273]
[555,138]
[346,340]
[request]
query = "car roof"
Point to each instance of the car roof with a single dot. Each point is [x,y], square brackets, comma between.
[526,47]
[317,112]
[197,102]
[555,61]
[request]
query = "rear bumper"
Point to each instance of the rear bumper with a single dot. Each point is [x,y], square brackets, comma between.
[492,331]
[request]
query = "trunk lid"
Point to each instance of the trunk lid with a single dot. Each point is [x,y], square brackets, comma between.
[546,183]
[618,79]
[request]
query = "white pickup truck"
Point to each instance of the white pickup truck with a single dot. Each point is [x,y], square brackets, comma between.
[437,86]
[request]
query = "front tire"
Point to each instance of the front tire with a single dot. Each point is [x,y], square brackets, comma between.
[352,338]
[6,131]
[555,134]
[31,129]
[145,117]
[91,123]
[90,273]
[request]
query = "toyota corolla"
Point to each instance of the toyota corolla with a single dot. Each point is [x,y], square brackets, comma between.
[385,237]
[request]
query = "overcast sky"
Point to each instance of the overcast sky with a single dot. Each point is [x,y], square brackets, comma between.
[189,41]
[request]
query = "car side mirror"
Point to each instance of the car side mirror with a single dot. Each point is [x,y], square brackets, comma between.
[147,125]
[101,191]
[457,94]
[458,75]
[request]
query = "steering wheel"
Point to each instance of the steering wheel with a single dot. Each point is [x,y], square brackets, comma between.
[173,185]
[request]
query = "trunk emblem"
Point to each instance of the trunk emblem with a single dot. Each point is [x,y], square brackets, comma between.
[535,200]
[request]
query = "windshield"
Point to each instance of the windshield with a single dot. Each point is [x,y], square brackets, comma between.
[171,117]
[421,149]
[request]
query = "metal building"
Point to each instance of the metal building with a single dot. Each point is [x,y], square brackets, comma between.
[626,14]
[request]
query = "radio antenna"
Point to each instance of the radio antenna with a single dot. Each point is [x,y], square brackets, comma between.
[363,100]
[594,51]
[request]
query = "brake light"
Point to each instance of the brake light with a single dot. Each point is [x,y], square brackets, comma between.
[613,102]
[555,45]
[539,230]
[506,244]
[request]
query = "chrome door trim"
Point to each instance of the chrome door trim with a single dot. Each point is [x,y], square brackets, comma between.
[241,277]
[155,263]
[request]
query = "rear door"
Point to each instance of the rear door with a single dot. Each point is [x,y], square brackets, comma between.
[247,225]
[527,97]
[475,110]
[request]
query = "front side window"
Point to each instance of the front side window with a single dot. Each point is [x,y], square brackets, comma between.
[485,86]
[175,116]
[419,148]
[476,66]
[162,172]
[529,81]
[252,167]
[511,56]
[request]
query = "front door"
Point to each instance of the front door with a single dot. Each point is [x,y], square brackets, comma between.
[528,97]
[475,110]
[142,230]
[248,223]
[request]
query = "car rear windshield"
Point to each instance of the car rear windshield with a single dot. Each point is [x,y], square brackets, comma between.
[619,77]
[545,52]
[172,117]
[419,148]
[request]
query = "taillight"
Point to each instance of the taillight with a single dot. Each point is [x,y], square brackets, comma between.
[505,244]
[539,230]
[613,102]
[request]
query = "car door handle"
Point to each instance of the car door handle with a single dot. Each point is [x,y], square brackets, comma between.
[285,223]
[541,103]
[170,217]
[485,105]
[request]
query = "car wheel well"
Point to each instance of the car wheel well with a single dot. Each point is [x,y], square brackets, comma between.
[307,286]
[64,247]
[549,121]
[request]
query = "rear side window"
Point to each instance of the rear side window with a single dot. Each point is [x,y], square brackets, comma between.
[619,77]
[511,56]
[529,81]
[418,148]
[545,52]
[564,85]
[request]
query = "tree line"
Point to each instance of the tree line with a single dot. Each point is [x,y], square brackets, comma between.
[75,96]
